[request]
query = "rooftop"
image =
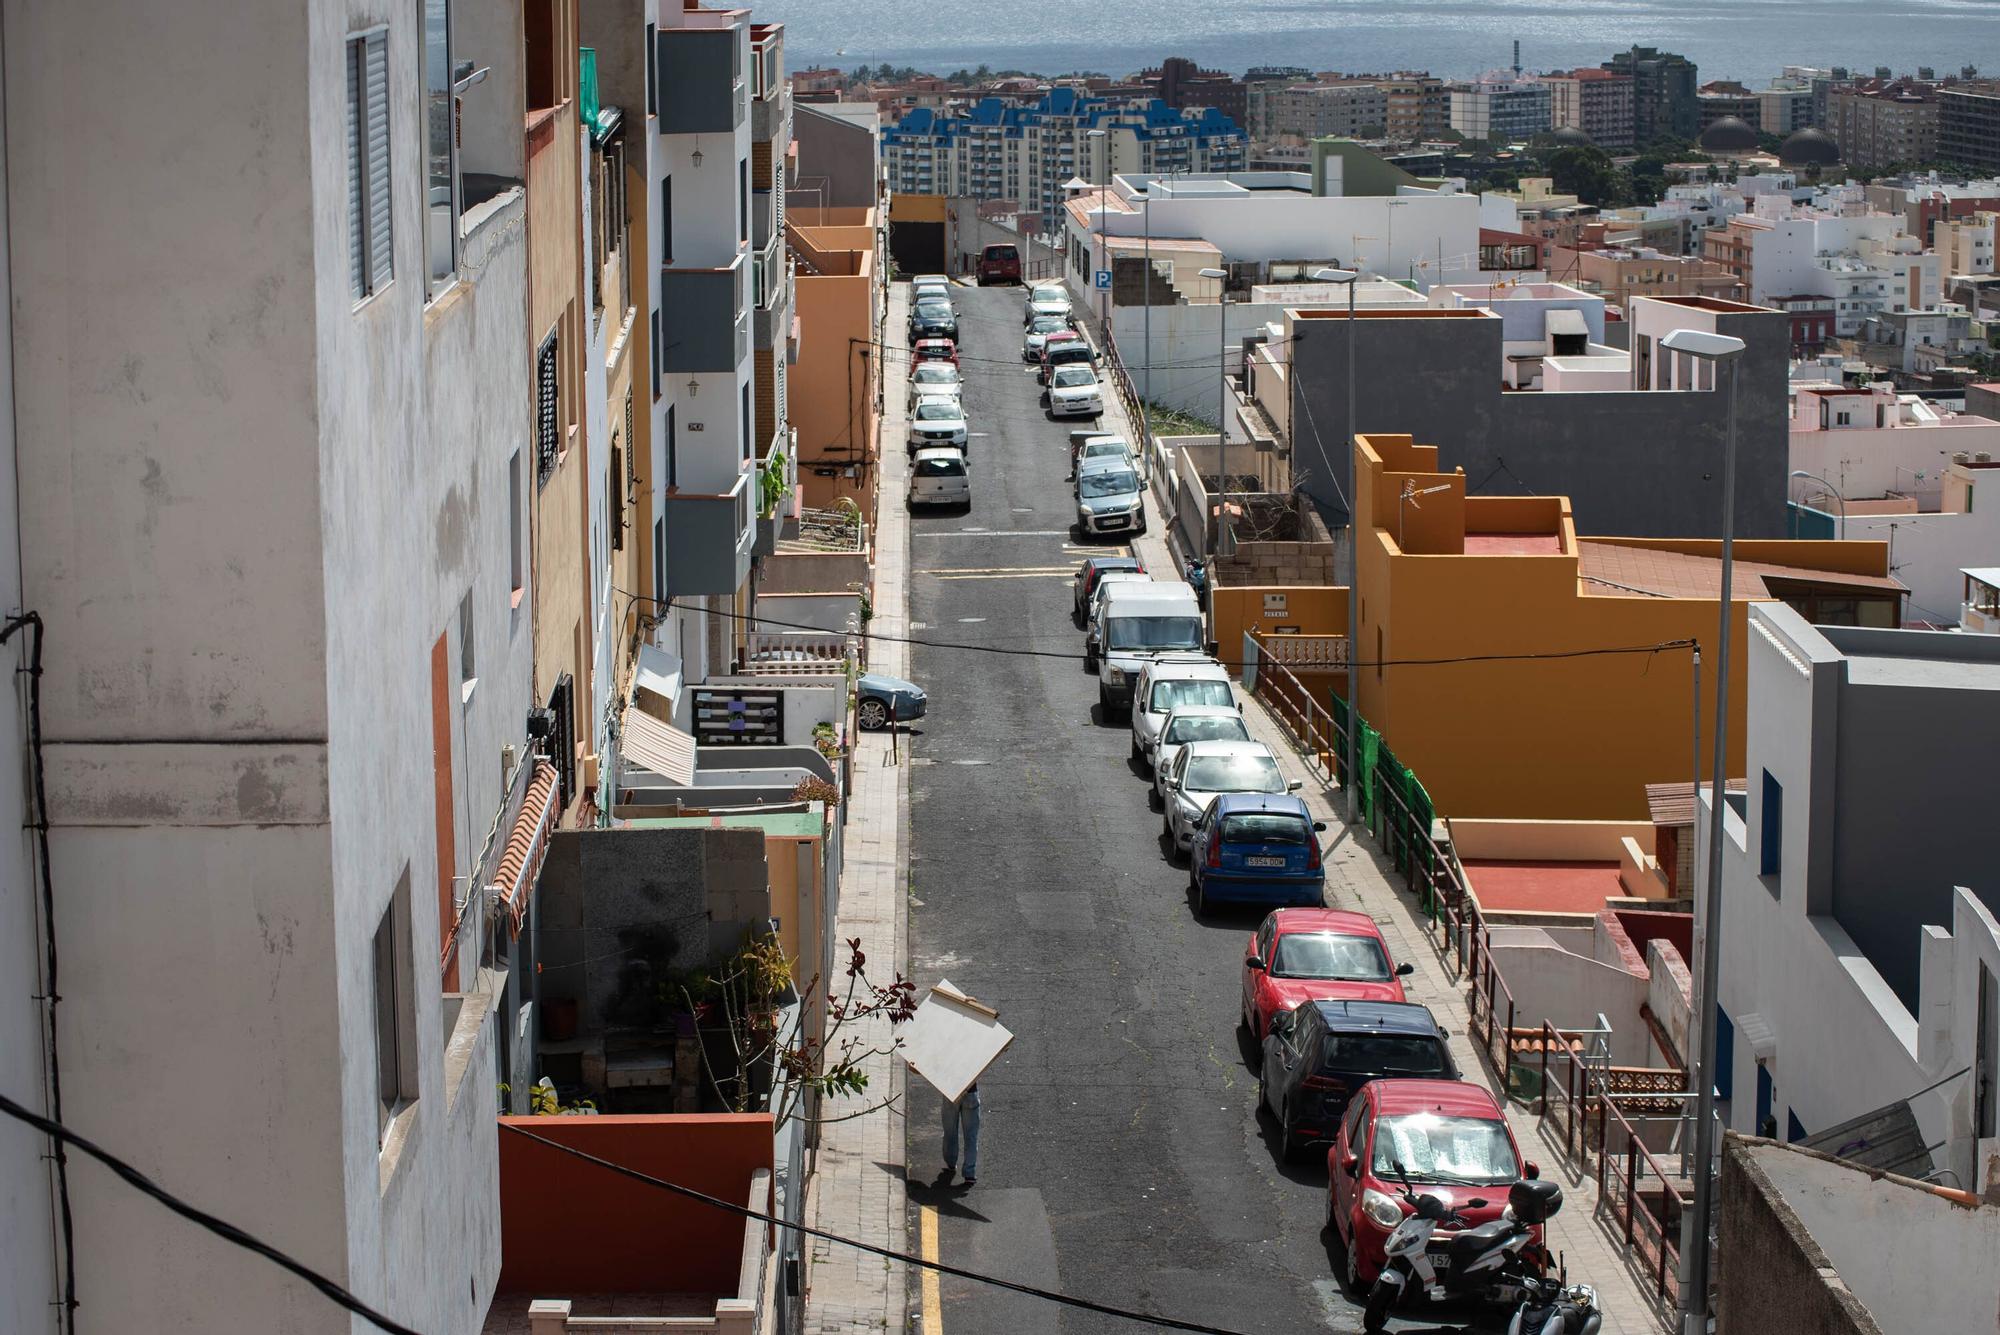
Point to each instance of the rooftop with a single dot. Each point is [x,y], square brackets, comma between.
[1610,569]
[1508,886]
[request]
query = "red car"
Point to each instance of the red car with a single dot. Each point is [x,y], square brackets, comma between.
[1453,1141]
[999,264]
[1061,338]
[1301,955]
[936,350]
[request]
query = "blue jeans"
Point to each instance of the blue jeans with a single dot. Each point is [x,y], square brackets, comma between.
[963,1114]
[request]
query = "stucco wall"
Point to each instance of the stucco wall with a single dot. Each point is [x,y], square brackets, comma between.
[836,161]
[1771,1275]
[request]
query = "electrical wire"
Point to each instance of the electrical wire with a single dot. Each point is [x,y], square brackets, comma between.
[888,1253]
[222,1228]
[1007,651]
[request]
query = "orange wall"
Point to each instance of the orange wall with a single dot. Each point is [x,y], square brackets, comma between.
[569,1227]
[1309,610]
[832,391]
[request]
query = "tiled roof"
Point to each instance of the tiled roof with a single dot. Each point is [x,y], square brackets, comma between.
[1611,569]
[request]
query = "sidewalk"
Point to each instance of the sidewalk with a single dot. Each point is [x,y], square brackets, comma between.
[859,1188]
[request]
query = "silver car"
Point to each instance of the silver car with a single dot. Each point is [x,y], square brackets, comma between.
[1192,723]
[934,380]
[1166,684]
[1109,498]
[1204,771]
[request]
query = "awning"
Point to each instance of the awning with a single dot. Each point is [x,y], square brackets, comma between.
[1565,322]
[527,844]
[656,682]
[657,746]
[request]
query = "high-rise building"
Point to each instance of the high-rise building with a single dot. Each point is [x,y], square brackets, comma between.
[1182,84]
[1719,100]
[1500,109]
[1882,123]
[1595,101]
[1663,93]
[1968,129]
[1784,111]
[1313,110]
[1419,107]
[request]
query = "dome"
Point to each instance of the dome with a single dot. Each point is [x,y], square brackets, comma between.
[1566,136]
[1809,148]
[1729,135]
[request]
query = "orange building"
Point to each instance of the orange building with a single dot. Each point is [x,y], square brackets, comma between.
[1485,623]
[836,384]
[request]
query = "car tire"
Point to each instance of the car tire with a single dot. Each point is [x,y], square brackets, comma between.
[1263,1090]
[1090,665]
[1350,1261]
[1288,1145]
[1137,754]
[871,714]
[1153,802]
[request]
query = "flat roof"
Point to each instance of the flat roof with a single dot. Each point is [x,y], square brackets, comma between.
[1543,886]
[1611,569]
[794,824]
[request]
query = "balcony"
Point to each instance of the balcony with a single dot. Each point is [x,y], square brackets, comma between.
[708,325]
[709,540]
[700,89]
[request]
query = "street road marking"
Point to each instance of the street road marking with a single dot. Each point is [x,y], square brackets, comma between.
[999,570]
[954,577]
[933,1297]
[999,533]
[970,621]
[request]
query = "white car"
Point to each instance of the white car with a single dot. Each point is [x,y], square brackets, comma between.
[1169,683]
[1038,332]
[1075,392]
[1192,723]
[1045,290]
[1104,447]
[1204,771]
[938,421]
[1104,581]
[939,477]
[934,380]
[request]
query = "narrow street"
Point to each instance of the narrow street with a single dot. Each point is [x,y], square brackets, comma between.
[1120,1159]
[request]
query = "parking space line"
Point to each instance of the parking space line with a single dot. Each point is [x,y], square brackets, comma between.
[933,1296]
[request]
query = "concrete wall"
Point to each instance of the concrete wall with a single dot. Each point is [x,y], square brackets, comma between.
[833,383]
[1772,1275]
[1927,551]
[1646,463]
[1558,983]
[837,160]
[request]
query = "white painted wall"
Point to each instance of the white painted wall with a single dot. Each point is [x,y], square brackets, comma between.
[1868,461]
[1388,236]
[1926,552]
[1551,980]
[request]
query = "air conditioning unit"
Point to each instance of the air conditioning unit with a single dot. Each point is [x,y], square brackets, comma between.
[1983,457]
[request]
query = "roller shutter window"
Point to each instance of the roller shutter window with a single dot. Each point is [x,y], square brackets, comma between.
[547,411]
[371,244]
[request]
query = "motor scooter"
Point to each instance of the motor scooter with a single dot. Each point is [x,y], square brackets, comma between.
[1487,1262]
[1554,1306]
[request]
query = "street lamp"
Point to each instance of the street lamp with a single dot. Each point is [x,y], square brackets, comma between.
[1716,349]
[1103,170]
[1839,495]
[1221,401]
[1349,277]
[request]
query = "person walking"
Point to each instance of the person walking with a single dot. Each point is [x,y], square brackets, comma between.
[962,1117]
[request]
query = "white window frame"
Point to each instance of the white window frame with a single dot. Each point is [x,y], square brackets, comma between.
[371,257]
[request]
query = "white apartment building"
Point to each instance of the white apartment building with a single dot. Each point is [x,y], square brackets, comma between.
[1872,442]
[1783,110]
[270,356]
[1965,246]
[1858,976]
[1500,108]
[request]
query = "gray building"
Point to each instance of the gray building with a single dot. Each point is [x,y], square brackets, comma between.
[839,156]
[1643,461]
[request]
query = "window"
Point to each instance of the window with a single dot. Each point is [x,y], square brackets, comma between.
[1723,1077]
[746,423]
[1770,851]
[517,552]
[659,563]
[617,495]
[548,410]
[743,199]
[672,452]
[652,70]
[371,252]
[656,356]
[1986,1057]
[395,1010]
[468,670]
[441,146]
[667,219]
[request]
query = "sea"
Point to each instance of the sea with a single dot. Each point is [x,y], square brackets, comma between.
[1746,40]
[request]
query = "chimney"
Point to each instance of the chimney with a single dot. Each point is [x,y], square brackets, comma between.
[1517,57]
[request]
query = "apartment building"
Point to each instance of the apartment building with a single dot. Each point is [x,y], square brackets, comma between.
[1882,122]
[1419,107]
[1314,110]
[1182,84]
[1784,111]
[1598,102]
[1965,246]
[1663,93]
[1864,262]
[1968,133]
[289,672]
[1624,274]
[1928,199]
[1501,108]
[1725,99]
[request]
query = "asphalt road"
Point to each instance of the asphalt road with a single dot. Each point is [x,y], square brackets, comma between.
[1120,1157]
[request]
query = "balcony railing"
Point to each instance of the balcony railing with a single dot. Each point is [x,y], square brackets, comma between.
[795,653]
[709,539]
[700,89]
[708,326]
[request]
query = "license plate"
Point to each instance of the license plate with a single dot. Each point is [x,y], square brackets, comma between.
[1264,862]
[1118,522]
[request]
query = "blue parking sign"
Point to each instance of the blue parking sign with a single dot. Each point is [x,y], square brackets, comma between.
[1104,280]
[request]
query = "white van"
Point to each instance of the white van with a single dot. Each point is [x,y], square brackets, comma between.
[1138,622]
[1170,682]
[938,477]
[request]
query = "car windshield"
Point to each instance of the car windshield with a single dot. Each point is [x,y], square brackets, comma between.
[1472,1150]
[1170,695]
[1105,449]
[1233,774]
[1069,377]
[940,468]
[937,412]
[934,310]
[1050,292]
[1160,632]
[1207,728]
[1047,324]
[1110,482]
[1351,959]
[1384,1054]
[936,375]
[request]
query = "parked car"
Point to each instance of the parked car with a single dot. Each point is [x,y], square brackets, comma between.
[1045,298]
[937,421]
[1094,568]
[1136,623]
[941,282]
[1101,447]
[880,700]
[1203,771]
[1109,580]
[1319,1054]
[1192,723]
[1452,1139]
[933,318]
[1039,330]
[1109,499]
[1058,352]
[1166,684]
[940,476]
[1075,393]
[1055,338]
[999,264]
[930,288]
[934,350]
[1256,848]
[929,379]
[1298,955]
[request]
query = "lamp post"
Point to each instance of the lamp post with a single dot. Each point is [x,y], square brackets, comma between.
[1221,401]
[1713,348]
[1146,393]
[1838,495]
[1349,277]
[1103,170]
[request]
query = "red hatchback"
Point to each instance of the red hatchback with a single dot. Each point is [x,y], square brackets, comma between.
[1300,955]
[1452,1140]
[936,350]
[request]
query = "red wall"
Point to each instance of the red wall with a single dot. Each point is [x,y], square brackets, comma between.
[1644,925]
[570,1227]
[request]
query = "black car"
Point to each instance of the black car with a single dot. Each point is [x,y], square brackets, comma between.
[933,319]
[1318,1055]
[1092,567]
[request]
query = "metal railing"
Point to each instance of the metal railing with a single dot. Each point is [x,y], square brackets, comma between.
[794,653]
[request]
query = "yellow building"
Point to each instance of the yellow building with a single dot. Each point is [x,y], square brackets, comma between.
[1485,621]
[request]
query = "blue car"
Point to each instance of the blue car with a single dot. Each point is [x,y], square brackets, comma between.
[881,700]
[1257,848]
